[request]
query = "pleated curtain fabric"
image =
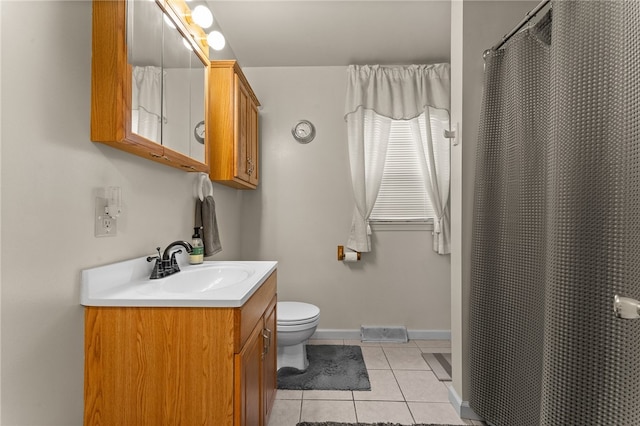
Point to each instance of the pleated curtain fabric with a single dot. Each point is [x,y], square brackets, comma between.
[148,107]
[377,95]
[556,230]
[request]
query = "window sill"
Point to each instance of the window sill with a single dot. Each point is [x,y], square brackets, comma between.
[401,226]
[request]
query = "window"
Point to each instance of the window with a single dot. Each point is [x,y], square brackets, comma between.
[403,197]
[377,98]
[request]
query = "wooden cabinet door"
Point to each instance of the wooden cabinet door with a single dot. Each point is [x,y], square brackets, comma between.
[269,363]
[243,149]
[252,135]
[154,366]
[248,381]
[233,128]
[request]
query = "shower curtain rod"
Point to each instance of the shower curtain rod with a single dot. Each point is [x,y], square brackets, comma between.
[533,12]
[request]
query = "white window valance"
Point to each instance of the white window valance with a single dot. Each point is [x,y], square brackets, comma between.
[400,93]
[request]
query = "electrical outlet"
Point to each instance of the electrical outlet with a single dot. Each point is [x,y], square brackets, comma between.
[105,226]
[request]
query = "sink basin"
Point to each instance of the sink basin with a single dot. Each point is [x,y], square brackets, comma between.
[206,278]
[210,284]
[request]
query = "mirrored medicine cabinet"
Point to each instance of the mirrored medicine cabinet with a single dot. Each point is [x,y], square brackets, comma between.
[149,80]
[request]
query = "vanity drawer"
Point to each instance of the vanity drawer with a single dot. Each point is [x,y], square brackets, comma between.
[247,316]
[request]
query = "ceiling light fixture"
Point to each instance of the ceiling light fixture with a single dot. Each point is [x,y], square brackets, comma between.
[216,40]
[202,16]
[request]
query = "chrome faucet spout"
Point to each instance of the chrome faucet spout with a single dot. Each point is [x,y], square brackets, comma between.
[167,264]
[167,251]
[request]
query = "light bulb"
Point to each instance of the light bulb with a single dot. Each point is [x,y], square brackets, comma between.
[216,40]
[168,21]
[202,16]
[187,44]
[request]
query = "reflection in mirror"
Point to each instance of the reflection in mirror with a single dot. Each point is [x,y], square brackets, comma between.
[144,43]
[197,97]
[184,87]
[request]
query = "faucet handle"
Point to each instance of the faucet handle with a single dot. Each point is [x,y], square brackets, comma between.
[150,258]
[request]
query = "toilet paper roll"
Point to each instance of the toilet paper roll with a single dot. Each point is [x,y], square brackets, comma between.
[350,256]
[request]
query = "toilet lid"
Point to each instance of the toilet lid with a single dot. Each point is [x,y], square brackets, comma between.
[296,312]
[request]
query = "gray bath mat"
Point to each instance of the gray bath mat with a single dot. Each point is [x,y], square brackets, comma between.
[440,365]
[331,367]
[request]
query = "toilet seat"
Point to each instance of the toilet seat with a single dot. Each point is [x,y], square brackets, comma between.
[297,313]
[291,328]
[300,322]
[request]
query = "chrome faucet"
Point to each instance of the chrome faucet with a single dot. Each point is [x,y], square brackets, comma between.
[167,264]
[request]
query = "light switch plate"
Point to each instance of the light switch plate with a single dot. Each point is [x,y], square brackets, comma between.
[105,226]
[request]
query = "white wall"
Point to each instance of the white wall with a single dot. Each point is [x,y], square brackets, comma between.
[0,216]
[184,95]
[302,211]
[457,11]
[50,169]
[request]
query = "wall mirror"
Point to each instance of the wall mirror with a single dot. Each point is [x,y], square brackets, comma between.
[184,93]
[149,70]
[168,90]
[145,49]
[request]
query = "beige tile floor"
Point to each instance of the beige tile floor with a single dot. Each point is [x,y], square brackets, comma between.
[403,390]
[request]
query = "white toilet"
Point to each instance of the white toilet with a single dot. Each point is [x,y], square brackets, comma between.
[297,321]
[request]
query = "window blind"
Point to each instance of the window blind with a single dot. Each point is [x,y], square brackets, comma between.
[402,196]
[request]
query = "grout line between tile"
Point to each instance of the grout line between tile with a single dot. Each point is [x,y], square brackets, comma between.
[410,412]
[399,387]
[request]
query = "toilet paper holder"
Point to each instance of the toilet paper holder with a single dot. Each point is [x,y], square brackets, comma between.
[341,255]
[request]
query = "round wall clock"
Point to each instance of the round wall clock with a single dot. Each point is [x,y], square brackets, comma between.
[303,131]
[198,132]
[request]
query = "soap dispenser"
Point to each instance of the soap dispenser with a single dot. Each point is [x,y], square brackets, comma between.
[197,254]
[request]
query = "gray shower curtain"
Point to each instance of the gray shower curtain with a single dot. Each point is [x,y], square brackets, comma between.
[556,230]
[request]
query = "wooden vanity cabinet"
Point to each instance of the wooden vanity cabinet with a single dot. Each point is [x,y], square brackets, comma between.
[255,368]
[168,366]
[233,126]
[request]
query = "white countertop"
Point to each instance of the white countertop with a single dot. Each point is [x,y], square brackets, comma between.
[127,284]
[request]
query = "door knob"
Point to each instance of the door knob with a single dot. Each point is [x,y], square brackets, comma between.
[626,308]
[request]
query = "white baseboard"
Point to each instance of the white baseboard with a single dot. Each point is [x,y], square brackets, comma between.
[336,334]
[429,334]
[341,334]
[462,407]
